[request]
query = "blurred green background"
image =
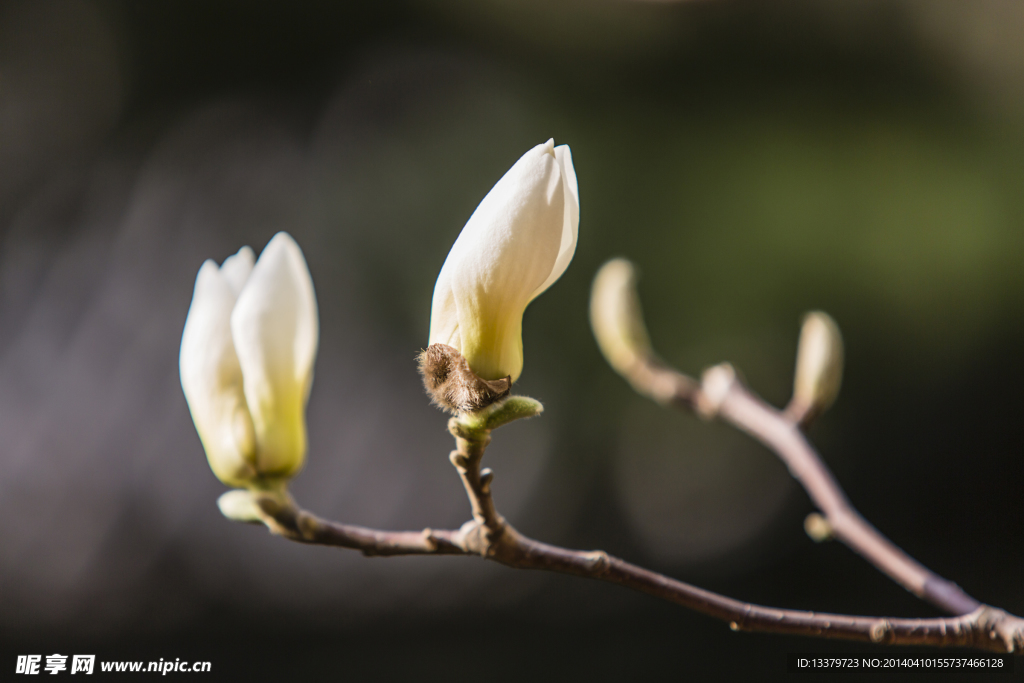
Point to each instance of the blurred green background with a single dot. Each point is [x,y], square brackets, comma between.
[755,161]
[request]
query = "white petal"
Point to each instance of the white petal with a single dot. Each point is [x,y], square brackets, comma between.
[517,242]
[237,268]
[444,314]
[276,330]
[571,222]
[212,379]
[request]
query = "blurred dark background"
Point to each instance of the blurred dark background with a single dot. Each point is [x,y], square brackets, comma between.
[756,160]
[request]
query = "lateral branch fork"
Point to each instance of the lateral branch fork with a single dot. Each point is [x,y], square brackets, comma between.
[490,536]
[722,395]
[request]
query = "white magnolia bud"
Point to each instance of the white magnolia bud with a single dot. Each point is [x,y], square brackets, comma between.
[516,244]
[616,318]
[246,362]
[819,364]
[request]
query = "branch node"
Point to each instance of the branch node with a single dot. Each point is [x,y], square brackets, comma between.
[307,525]
[1001,626]
[474,538]
[716,383]
[598,562]
[458,430]
[881,631]
[279,514]
[430,539]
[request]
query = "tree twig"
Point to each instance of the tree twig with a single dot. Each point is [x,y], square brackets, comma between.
[286,519]
[721,394]
[490,536]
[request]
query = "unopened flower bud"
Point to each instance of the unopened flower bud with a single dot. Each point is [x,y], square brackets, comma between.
[240,506]
[818,528]
[616,317]
[246,362]
[819,366]
[516,244]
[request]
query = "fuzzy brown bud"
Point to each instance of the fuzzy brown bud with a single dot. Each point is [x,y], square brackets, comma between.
[452,385]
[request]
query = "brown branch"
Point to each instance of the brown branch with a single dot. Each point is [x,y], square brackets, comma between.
[488,535]
[485,535]
[986,628]
[722,395]
[285,519]
[749,413]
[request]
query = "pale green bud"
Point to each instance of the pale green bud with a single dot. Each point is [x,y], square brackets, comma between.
[818,528]
[240,506]
[819,364]
[246,362]
[516,244]
[616,317]
[501,413]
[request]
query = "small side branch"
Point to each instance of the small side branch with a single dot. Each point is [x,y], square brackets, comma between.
[720,394]
[285,519]
[749,413]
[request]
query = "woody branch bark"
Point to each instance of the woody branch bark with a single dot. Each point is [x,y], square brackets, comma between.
[620,330]
[722,395]
[483,406]
[490,536]
[746,411]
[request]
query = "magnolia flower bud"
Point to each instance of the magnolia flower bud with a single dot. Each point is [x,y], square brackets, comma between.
[616,318]
[516,244]
[819,366]
[246,362]
[818,528]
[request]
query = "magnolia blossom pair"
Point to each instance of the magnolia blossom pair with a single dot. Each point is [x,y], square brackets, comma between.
[251,335]
[246,362]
